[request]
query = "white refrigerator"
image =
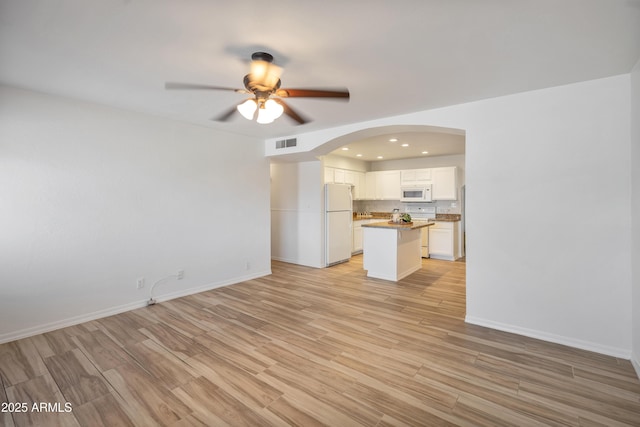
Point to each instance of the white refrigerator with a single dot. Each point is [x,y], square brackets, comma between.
[338,219]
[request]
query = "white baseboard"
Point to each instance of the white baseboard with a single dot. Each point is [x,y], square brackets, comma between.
[558,339]
[297,262]
[636,363]
[75,320]
[69,321]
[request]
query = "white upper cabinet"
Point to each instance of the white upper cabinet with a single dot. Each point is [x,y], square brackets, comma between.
[334,176]
[383,185]
[445,183]
[411,177]
[388,185]
[328,175]
[359,185]
[343,176]
[371,185]
[349,177]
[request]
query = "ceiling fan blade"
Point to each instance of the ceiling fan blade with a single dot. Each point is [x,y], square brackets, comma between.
[176,85]
[291,113]
[226,115]
[313,93]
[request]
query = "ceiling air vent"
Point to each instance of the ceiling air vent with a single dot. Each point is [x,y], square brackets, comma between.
[286,143]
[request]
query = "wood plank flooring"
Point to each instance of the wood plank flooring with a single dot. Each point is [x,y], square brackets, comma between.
[311,347]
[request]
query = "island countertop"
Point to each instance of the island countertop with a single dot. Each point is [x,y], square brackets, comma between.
[400,226]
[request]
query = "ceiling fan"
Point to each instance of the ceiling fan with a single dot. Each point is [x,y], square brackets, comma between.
[263,82]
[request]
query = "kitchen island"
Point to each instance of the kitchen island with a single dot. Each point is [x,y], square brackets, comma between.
[392,251]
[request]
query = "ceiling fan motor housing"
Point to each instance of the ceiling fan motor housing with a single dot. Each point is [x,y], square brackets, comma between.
[258,89]
[262,56]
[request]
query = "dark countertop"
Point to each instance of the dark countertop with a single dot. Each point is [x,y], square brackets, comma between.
[400,226]
[447,217]
[387,216]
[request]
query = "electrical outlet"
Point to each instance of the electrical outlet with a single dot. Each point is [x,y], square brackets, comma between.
[248,265]
[140,283]
[180,274]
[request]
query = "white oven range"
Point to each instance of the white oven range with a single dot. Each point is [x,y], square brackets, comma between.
[423,213]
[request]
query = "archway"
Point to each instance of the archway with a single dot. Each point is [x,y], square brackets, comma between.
[302,166]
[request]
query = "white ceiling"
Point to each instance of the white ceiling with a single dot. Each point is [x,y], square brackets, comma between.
[418,144]
[395,57]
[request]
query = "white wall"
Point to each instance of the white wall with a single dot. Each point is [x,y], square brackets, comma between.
[91,198]
[548,209]
[549,256]
[635,211]
[297,213]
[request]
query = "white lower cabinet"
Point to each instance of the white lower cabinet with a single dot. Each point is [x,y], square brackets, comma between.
[356,246]
[444,240]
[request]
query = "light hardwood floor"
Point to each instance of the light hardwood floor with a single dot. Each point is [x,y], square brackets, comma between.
[312,347]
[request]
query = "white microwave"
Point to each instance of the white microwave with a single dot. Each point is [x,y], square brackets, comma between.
[420,193]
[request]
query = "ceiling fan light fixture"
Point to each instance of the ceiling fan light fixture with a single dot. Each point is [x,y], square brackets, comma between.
[269,111]
[274,108]
[248,109]
[264,117]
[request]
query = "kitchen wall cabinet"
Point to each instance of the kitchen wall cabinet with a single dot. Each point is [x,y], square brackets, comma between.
[388,185]
[371,185]
[349,177]
[444,240]
[445,183]
[329,175]
[383,185]
[359,185]
[416,177]
[343,176]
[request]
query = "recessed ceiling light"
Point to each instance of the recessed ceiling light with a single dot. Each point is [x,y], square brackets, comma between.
[405,145]
[358,155]
[380,157]
[425,152]
[345,148]
[393,140]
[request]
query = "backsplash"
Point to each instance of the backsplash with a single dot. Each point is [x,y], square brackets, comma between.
[442,206]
